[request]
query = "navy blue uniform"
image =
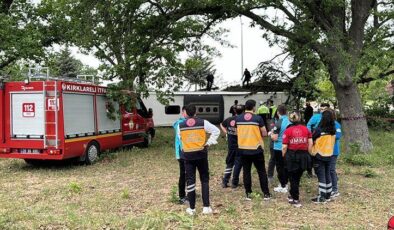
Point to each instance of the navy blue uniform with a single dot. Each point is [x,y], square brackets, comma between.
[233,159]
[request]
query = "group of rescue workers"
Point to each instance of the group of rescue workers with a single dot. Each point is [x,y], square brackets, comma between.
[294,148]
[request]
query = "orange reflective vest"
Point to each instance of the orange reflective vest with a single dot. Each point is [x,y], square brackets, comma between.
[193,138]
[248,132]
[324,145]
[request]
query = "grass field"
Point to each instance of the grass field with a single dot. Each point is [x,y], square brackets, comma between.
[135,189]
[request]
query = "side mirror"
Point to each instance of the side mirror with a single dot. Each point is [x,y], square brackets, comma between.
[150,113]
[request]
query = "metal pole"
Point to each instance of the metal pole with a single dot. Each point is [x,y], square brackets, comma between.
[242,47]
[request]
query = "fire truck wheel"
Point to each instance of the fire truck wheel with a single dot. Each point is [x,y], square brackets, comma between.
[147,140]
[34,162]
[92,153]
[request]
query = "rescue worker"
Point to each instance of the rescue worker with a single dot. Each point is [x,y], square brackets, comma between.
[232,108]
[233,160]
[315,119]
[272,109]
[297,144]
[323,148]
[178,149]
[195,153]
[308,113]
[210,79]
[271,163]
[313,123]
[276,136]
[263,112]
[247,77]
[250,132]
[334,158]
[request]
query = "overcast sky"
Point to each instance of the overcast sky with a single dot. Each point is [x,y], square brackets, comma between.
[228,66]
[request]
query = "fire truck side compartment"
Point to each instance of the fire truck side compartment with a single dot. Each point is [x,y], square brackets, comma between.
[78,110]
[104,123]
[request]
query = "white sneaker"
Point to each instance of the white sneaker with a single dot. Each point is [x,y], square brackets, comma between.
[281,189]
[190,211]
[207,210]
[335,194]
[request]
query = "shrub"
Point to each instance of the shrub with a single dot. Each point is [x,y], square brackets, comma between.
[359,159]
[125,194]
[74,187]
[369,173]
[174,195]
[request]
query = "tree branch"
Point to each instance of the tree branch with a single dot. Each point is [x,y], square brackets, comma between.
[162,11]
[288,13]
[5,6]
[7,62]
[106,57]
[360,13]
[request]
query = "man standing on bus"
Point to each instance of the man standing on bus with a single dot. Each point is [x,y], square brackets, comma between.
[246,78]
[250,132]
[195,153]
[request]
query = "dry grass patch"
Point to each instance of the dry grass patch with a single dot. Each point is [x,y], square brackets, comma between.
[134,189]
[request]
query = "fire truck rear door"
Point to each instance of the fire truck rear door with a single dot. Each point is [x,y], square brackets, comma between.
[27,114]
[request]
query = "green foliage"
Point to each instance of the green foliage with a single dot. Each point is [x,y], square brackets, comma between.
[24,33]
[369,173]
[125,194]
[381,155]
[174,195]
[196,69]
[326,89]
[74,187]
[231,210]
[358,159]
[138,42]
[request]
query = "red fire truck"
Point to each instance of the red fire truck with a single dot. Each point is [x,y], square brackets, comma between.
[59,119]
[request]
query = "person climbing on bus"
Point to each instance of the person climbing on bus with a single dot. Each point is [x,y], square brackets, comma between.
[195,145]
[246,78]
[233,160]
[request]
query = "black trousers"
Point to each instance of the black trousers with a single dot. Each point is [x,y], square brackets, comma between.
[281,168]
[233,165]
[258,161]
[295,178]
[322,169]
[271,163]
[182,179]
[202,166]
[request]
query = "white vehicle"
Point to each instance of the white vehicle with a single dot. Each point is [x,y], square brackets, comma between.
[213,106]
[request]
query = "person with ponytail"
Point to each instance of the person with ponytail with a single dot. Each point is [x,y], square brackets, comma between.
[322,151]
[297,144]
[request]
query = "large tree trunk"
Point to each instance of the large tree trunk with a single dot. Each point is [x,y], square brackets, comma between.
[354,122]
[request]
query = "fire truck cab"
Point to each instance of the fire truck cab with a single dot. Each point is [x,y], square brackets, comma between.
[55,119]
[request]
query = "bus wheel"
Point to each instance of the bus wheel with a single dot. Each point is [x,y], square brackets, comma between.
[92,153]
